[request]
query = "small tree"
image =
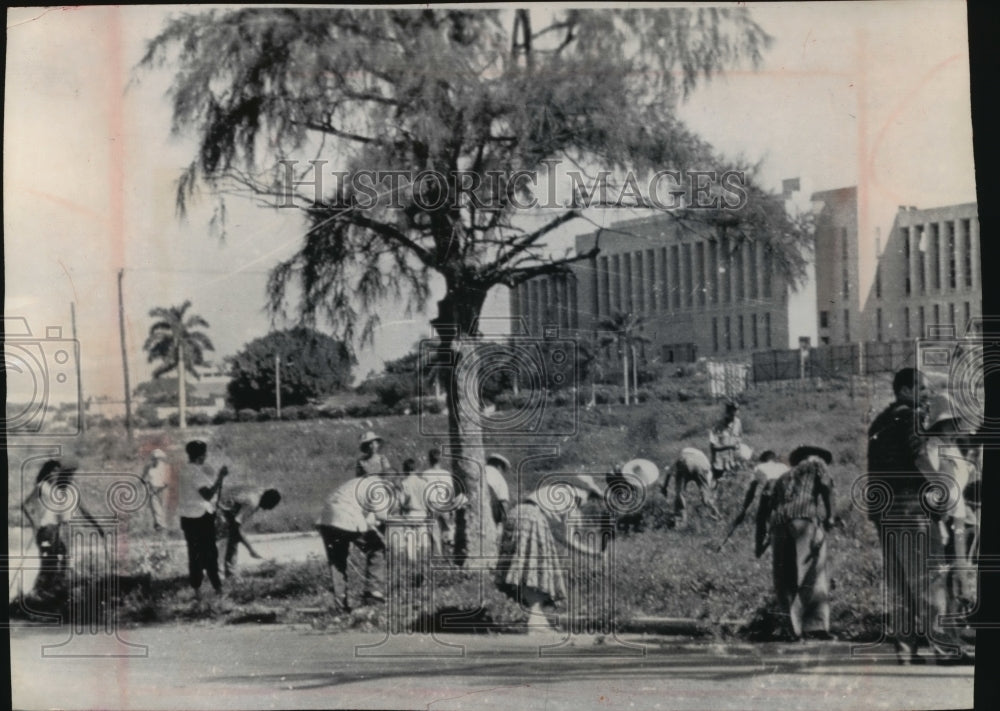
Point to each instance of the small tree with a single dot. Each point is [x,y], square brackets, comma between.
[625,330]
[312,365]
[175,342]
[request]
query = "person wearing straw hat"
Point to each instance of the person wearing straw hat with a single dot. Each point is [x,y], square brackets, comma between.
[801,514]
[371,462]
[898,462]
[527,570]
[948,454]
[691,466]
[156,475]
[629,483]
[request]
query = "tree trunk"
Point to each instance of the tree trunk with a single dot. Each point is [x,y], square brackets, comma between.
[475,534]
[635,374]
[181,389]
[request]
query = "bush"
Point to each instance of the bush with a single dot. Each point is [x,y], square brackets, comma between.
[223,416]
[266,414]
[246,415]
[199,419]
[332,413]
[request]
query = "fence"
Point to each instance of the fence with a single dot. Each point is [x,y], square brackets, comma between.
[826,362]
[727,379]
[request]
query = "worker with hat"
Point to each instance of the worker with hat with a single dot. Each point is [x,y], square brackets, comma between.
[156,476]
[949,453]
[725,441]
[691,466]
[628,486]
[371,462]
[526,571]
[899,463]
[801,513]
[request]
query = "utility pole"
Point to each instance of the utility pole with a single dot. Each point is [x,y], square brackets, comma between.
[121,331]
[277,384]
[79,376]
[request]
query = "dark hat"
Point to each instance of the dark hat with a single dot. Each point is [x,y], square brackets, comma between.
[804,452]
[732,405]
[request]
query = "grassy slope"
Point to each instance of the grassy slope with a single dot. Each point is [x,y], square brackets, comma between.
[660,571]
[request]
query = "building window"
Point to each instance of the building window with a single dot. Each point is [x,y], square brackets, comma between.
[967,252]
[753,330]
[729,334]
[937,315]
[768,263]
[602,286]
[713,270]
[627,283]
[741,292]
[664,282]
[922,259]
[878,325]
[650,280]
[906,321]
[951,314]
[767,329]
[844,264]
[935,264]
[715,334]
[689,280]
[739,325]
[951,246]
[847,326]
[968,314]
[726,267]
[699,267]
[923,322]
[824,319]
[878,282]
[908,236]
[752,259]
[675,275]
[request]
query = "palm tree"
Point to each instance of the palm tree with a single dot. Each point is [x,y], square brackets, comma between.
[175,342]
[626,331]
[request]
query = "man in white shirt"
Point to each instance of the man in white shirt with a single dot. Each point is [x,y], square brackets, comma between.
[725,441]
[350,515]
[197,486]
[767,471]
[439,490]
[156,474]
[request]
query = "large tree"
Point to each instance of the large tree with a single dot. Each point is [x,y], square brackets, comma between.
[175,341]
[467,96]
[312,364]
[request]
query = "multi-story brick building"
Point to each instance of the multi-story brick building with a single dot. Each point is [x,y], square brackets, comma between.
[928,274]
[702,296]
[698,294]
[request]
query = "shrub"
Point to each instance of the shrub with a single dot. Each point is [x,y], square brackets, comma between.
[332,413]
[246,415]
[266,414]
[198,419]
[223,416]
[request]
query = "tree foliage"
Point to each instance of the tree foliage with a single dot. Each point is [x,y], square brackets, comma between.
[312,365]
[171,335]
[460,94]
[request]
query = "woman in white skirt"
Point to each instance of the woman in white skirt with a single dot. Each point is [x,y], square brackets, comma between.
[530,568]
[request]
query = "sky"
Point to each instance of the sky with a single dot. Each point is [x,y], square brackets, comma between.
[873,94]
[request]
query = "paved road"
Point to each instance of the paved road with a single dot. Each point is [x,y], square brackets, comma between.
[217,667]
